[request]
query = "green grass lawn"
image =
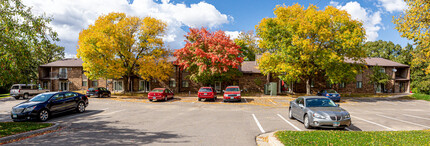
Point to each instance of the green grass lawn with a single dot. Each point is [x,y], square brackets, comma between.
[4,95]
[420,96]
[11,128]
[419,137]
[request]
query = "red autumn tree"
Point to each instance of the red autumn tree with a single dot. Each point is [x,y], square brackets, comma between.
[209,56]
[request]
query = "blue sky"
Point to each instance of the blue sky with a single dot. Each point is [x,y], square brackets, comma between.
[232,16]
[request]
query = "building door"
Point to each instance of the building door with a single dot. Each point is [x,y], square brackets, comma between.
[402,87]
[218,87]
[144,86]
[118,85]
[64,86]
[380,88]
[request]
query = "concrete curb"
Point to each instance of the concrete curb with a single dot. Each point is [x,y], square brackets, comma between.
[7,99]
[268,139]
[11,138]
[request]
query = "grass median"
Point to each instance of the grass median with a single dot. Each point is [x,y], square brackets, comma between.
[4,95]
[418,137]
[12,128]
[420,96]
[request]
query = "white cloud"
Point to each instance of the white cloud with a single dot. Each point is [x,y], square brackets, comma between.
[70,17]
[393,5]
[68,55]
[233,34]
[371,20]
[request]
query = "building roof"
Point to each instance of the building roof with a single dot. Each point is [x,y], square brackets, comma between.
[249,67]
[67,62]
[374,61]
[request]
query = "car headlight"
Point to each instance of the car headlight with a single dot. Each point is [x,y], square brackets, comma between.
[238,95]
[347,116]
[316,115]
[225,94]
[29,109]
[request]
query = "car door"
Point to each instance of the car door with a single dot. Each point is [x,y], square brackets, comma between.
[295,107]
[301,109]
[57,103]
[69,100]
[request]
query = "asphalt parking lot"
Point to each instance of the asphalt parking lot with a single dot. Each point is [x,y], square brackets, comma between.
[184,121]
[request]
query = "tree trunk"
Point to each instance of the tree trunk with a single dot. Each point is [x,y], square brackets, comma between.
[268,78]
[126,85]
[308,87]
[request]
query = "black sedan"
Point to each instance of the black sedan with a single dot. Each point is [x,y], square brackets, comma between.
[98,92]
[42,106]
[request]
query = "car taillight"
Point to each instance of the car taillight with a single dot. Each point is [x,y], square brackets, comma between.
[19,90]
[327,95]
[88,90]
[97,90]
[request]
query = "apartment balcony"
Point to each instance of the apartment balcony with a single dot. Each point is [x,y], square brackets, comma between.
[55,75]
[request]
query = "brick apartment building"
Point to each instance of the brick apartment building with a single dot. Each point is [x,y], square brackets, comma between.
[68,74]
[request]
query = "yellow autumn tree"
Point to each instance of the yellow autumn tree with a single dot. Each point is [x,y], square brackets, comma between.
[118,46]
[303,44]
[414,24]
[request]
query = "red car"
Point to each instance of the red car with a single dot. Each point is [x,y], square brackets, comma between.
[206,93]
[232,93]
[160,94]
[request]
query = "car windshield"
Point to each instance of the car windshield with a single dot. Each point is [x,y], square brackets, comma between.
[42,97]
[91,89]
[320,102]
[15,87]
[232,89]
[205,90]
[331,91]
[157,90]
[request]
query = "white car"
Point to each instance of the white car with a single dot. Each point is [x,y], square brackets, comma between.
[25,90]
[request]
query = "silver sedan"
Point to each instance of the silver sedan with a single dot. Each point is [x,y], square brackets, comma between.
[317,111]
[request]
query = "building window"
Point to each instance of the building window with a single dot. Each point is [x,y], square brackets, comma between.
[117,85]
[359,84]
[172,82]
[342,85]
[94,84]
[84,83]
[144,86]
[382,70]
[185,84]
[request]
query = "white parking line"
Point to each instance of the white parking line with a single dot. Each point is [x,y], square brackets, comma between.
[348,129]
[110,113]
[258,124]
[245,100]
[374,123]
[298,129]
[416,117]
[403,121]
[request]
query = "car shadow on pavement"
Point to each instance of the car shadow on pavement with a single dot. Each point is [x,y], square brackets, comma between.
[103,133]
[374,100]
[72,114]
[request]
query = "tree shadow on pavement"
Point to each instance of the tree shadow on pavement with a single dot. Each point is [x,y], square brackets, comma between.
[102,133]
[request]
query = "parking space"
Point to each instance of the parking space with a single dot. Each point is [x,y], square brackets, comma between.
[186,121]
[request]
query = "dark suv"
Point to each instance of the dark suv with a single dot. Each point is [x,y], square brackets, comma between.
[98,92]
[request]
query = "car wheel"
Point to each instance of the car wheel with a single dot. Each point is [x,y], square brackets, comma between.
[43,115]
[109,95]
[16,97]
[81,107]
[98,96]
[150,100]
[199,99]
[306,122]
[26,96]
[290,115]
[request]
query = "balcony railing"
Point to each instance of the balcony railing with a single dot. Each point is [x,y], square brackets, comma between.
[56,75]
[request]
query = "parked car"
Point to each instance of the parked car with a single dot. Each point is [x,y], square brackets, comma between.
[98,92]
[317,111]
[25,90]
[330,93]
[232,93]
[41,107]
[160,94]
[206,93]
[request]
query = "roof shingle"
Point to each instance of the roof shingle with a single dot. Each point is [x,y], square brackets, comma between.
[374,61]
[67,62]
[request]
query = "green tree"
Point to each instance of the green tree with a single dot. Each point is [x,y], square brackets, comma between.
[389,50]
[305,43]
[378,76]
[24,38]
[248,45]
[117,46]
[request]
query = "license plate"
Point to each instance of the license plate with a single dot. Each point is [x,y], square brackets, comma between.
[206,93]
[231,97]
[154,98]
[336,124]
[91,94]
[334,95]
[14,116]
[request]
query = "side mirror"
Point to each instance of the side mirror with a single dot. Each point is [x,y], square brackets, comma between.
[338,105]
[301,105]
